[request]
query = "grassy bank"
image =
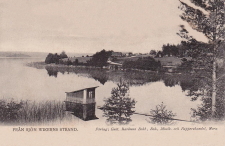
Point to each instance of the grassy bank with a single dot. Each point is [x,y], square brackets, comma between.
[25,112]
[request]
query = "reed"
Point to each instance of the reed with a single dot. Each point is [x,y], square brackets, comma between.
[23,112]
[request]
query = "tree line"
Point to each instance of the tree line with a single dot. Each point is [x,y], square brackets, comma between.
[147,63]
[183,49]
[99,59]
[55,58]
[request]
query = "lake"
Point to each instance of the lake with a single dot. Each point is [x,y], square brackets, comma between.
[21,82]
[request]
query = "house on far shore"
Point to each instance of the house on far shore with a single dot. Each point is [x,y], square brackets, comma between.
[143,55]
[81,60]
[170,63]
[116,54]
[127,54]
[114,65]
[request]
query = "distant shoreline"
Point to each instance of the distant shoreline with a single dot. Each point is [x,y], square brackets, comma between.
[21,57]
[43,65]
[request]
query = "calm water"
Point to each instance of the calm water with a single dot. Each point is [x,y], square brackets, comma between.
[19,81]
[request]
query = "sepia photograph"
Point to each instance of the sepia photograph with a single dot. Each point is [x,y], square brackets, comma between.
[92,72]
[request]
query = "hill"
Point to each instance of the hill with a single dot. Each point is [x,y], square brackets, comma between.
[18,55]
[13,54]
[43,55]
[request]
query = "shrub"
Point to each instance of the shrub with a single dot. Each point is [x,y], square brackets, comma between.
[161,115]
[9,110]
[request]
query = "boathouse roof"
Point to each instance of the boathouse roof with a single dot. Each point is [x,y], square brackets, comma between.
[83,89]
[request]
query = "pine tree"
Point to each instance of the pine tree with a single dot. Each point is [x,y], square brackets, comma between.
[207,17]
[119,107]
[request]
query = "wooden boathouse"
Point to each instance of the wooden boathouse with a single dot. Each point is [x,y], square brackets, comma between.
[82,103]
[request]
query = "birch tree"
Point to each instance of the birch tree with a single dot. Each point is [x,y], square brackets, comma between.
[207,17]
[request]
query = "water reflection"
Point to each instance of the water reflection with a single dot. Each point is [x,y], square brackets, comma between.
[97,74]
[147,88]
[101,77]
[52,72]
[192,84]
[170,82]
[136,78]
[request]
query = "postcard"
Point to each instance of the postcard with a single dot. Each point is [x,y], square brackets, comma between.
[112,72]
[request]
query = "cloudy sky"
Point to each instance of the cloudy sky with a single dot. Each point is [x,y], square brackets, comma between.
[87,26]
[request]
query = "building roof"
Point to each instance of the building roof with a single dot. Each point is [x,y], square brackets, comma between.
[169,61]
[122,59]
[83,89]
[126,52]
[143,55]
[114,63]
[116,54]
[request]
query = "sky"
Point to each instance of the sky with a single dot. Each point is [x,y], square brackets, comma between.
[87,26]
